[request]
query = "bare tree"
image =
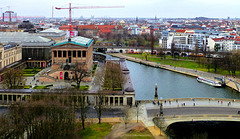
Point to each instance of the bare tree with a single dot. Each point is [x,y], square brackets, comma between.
[80,72]
[173,49]
[99,81]
[113,76]
[83,108]
[42,116]
[138,110]
[146,55]
[12,78]
[126,116]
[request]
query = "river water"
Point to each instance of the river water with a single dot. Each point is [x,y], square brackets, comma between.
[171,84]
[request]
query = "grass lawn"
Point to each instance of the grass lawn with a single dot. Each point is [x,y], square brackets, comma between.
[95,131]
[134,134]
[82,87]
[40,87]
[183,62]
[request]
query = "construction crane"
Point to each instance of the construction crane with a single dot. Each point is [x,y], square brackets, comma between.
[83,7]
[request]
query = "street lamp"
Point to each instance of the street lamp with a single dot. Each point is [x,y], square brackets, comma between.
[161,108]
[156,95]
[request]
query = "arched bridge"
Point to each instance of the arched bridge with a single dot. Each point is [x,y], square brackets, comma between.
[191,109]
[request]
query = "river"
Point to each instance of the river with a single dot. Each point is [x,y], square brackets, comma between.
[171,84]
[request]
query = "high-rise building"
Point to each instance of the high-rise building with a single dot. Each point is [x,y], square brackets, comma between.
[9,16]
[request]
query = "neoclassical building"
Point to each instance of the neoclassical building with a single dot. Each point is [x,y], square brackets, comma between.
[10,54]
[65,56]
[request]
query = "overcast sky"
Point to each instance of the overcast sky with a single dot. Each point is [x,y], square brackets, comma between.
[133,8]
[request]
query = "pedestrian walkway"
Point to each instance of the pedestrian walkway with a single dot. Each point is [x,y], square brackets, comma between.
[195,103]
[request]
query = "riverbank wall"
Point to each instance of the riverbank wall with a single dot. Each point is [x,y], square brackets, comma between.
[190,72]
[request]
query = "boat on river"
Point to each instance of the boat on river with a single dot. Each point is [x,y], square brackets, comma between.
[209,82]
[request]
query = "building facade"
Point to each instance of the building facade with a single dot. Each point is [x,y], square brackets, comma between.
[10,54]
[68,54]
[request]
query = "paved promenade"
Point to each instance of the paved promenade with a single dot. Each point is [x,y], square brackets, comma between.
[231,82]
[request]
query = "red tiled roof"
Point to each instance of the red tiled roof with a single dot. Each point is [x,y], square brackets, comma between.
[218,39]
[181,30]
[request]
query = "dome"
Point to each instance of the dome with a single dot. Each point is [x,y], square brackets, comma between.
[122,22]
[26,25]
[129,89]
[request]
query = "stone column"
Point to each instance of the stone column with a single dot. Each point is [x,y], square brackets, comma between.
[86,100]
[118,101]
[108,101]
[104,100]
[133,101]
[67,55]
[57,57]
[113,101]
[7,99]
[52,57]
[124,101]
[95,102]
[12,99]
[62,56]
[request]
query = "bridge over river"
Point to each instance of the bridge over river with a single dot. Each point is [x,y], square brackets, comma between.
[189,109]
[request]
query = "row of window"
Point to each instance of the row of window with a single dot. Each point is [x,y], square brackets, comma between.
[70,53]
[9,61]
[10,54]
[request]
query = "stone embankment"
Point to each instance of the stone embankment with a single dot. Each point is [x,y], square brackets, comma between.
[230,82]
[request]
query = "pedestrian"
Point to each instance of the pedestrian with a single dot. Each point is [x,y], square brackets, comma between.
[165,101]
[218,101]
[176,100]
[158,103]
[169,102]
[221,102]
[193,104]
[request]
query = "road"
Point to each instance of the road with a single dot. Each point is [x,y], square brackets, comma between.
[194,111]
[91,112]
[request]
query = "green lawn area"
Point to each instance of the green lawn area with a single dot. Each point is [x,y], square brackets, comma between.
[184,62]
[24,87]
[95,131]
[138,135]
[42,87]
[30,72]
[82,87]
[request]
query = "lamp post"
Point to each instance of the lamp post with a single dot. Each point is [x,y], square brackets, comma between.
[156,94]
[161,108]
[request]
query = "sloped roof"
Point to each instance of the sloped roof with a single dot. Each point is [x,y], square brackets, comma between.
[86,42]
[25,38]
[51,30]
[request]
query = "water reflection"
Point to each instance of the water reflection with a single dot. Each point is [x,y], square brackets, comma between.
[171,84]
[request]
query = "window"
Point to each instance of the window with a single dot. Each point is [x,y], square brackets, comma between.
[84,53]
[69,53]
[64,53]
[79,53]
[59,53]
[74,53]
[55,53]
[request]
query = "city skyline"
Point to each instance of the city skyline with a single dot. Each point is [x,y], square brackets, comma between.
[133,8]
